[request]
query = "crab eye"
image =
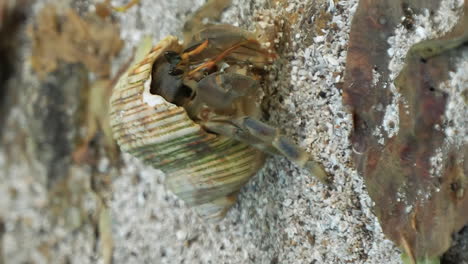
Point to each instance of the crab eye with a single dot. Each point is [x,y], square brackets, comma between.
[172,57]
[175,71]
[168,83]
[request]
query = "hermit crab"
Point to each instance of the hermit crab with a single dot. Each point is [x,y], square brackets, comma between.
[193,112]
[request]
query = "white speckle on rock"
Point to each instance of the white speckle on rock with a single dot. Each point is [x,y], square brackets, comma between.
[181,235]
[391,120]
[319,39]
[375,77]
[287,202]
[456,111]
[436,162]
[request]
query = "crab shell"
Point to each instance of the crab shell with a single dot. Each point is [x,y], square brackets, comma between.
[204,169]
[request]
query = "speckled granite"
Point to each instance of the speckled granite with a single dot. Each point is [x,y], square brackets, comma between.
[283,215]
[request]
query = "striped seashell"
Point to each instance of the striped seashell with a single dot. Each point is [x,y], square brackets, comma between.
[203,169]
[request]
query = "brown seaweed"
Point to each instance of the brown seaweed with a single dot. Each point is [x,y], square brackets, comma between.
[418,211]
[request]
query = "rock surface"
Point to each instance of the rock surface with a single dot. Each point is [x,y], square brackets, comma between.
[57,211]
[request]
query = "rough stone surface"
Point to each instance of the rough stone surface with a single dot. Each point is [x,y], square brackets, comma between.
[282,216]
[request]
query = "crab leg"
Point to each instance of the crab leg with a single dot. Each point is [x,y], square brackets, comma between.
[220,90]
[267,139]
[125,7]
[221,56]
[195,51]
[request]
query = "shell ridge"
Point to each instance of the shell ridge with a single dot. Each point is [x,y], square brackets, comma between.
[190,158]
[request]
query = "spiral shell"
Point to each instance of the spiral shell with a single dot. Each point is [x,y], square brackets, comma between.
[203,169]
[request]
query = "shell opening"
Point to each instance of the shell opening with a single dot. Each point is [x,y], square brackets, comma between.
[168,83]
[149,98]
